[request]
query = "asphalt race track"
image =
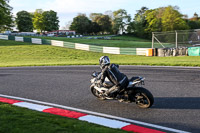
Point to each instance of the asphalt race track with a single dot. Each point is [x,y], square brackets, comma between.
[176,91]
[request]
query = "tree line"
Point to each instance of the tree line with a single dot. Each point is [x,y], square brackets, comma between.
[108,23]
[142,24]
[27,22]
[39,20]
[6,21]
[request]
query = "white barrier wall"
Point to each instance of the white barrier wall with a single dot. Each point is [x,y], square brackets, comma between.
[141,51]
[82,46]
[36,40]
[57,43]
[111,50]
[20,39]
[4,37]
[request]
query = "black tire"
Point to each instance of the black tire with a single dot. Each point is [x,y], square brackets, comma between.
[143,97]
[95,93]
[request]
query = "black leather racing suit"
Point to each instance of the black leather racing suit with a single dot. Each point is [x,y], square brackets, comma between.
[119,79]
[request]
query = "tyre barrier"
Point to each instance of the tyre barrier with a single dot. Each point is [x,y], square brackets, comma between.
[165,52]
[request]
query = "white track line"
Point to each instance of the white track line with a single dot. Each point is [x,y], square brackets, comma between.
[98,114]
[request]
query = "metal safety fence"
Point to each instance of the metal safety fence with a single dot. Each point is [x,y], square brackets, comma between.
[176,39]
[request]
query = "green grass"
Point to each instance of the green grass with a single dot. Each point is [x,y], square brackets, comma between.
[121,41]
[130,38]
[20,120]
[25,54]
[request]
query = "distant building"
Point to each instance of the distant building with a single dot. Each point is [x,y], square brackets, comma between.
[195,17]
[61,32]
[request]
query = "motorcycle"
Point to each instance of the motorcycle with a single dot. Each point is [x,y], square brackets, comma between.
[134,92]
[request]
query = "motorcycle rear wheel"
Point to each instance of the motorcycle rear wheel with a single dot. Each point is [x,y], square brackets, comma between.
[143,97]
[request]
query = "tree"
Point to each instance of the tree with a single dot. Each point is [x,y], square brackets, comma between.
[94,16]
[95,28]
[139,23]
[45,20]
[81,24]
[153,20]
[194,24]
[172,20]
[159,19]
[121,19]
[6,19]
[110,14]
[104,22]
[50,20]
[24,21]
[38,22]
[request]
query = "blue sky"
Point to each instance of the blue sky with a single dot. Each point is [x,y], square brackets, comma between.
[68,9]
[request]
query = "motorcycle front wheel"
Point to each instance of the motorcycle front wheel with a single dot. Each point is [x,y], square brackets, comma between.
[96,93]
[143,97]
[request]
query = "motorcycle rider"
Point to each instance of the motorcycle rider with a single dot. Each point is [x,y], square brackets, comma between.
[112,72]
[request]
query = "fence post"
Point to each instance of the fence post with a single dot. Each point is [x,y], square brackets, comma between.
[176,39]
[152,39]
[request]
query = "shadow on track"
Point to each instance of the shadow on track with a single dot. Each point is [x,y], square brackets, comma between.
[177,103]
[3,75]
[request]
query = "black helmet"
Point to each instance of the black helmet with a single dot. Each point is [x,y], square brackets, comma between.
[103,61]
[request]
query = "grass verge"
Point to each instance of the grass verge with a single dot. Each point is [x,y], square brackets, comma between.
[20,120]
[25,54]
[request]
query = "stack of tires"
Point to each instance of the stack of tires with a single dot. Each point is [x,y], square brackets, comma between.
[164,52]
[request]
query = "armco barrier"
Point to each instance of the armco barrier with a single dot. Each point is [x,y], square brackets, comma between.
[4,37]
[36,40]
[82,46]
[57,43]
[69,45]
[111,50]
[141,51]
[128,51]
[29,40]
[11,37]
[94,48]
[19,39]
[45,41]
